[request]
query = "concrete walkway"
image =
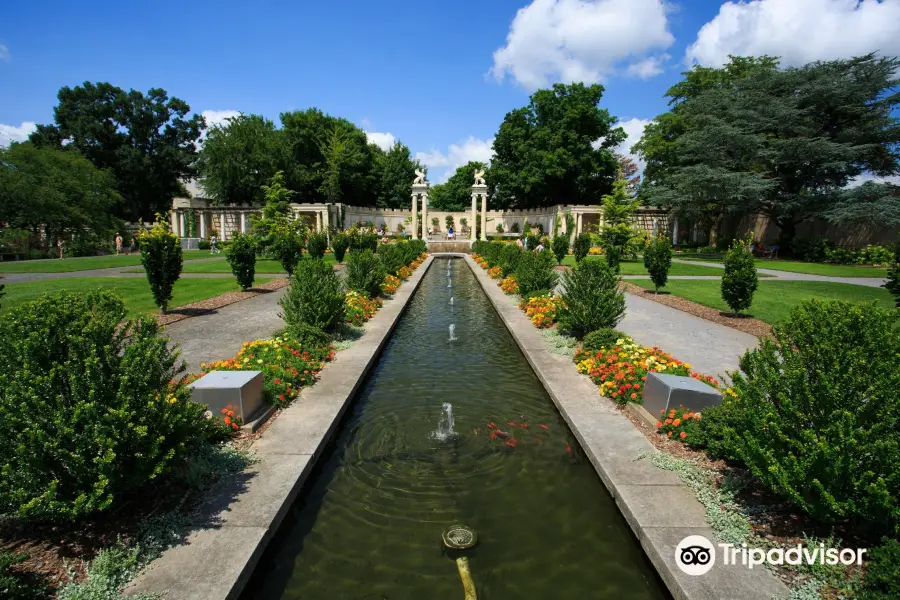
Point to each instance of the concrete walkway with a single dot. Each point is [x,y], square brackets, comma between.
[710,348]
[788,275]
[218,335]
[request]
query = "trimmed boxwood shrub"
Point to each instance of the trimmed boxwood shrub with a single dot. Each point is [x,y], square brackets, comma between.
[560,247]
[315,297]
[581,246]
[162,259]
[893,276]
[658,261]
[364,273]
[592,298]
[392,257]
[87,409]
[241,255]
[339,245]
[536,272]
[508,258]
[316,244]
[815,413]
[739,282]
[605,337]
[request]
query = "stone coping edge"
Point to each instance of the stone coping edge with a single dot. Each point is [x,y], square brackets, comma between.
[658,507]
[241,515]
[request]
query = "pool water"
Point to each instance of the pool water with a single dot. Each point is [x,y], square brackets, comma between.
[370,521]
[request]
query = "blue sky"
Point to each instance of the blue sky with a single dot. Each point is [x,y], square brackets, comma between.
[437,75]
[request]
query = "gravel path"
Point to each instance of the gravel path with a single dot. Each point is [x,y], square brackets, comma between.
[218,335]
[866,281]
[710,348]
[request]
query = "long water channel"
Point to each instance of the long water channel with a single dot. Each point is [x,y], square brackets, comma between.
[416,454]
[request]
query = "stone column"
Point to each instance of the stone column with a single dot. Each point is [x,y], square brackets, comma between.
[675,233]
[223,233]
[243,222]
[327,223]
[484,216]
[426,224]
[173,222]
[415,216]
[578,224]
[318,220]
[180,223]
[202,217]
[474,220]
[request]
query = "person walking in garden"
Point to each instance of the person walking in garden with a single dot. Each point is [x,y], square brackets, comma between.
[212,245]
[118,243]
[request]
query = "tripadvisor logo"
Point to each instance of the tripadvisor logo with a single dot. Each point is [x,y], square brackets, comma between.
[696,555]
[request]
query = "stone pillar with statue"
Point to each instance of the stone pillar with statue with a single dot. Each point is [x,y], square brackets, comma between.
[420,188]
[479,188]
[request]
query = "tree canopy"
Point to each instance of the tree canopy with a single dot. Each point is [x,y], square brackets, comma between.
[556,150]
[55,191]
[323,159]
[787,143]
[239,157]
[456,193]
[147,141]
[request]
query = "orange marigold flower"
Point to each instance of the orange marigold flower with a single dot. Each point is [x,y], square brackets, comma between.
[658,424]
[683,435]
[676,422]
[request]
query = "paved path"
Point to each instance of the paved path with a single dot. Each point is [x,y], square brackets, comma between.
[219,335]
[710,348]
[788,275]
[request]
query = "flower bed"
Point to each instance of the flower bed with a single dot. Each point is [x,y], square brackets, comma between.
[542,310]
[480,260]
[620,371]
[509,285]
[286,366]
[360,308]
[495,272]
[390,284]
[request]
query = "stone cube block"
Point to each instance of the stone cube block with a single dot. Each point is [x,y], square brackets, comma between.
[242,391]
[662,392]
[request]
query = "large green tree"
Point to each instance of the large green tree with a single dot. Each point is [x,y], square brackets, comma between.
[147,141]
[239,157]
[456,193]
[51,191]
[394,171]
[556,150]
[332,159]
[786,143]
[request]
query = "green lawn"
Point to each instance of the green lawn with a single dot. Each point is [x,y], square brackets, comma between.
[135,291]
[263,265]
[636,267]
[68,265]
[796,266]
[773,299]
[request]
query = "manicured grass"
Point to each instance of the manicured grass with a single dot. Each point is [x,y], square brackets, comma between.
[263,265]
[636,267]
[773,299]
[796,266]
[135,291]
[69,265]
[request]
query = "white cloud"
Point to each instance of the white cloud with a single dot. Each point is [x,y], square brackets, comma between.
[382,140]
[4,53]
[456,156]
[583,40]
[219,117]
[799,31]
[867,177]
[13,133]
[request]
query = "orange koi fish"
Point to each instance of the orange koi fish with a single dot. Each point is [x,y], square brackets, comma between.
[511,423]
[568,449]
[544,426]
[511,442]
[492,426]
[525,425]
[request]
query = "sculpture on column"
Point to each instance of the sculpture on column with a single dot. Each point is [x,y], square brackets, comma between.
[420,178]
[479,177]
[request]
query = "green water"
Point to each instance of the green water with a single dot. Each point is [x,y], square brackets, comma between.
[369,525]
